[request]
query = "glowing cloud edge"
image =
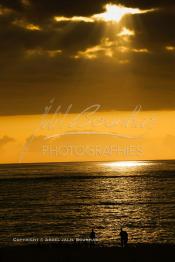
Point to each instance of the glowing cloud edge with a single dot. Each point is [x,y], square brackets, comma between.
[113,13]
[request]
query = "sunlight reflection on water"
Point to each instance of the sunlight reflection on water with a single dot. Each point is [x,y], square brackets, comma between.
[68,199]
[126,164]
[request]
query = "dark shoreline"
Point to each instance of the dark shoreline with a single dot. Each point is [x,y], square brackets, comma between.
[132,253]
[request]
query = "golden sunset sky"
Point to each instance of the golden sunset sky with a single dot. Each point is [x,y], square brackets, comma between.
[87,80]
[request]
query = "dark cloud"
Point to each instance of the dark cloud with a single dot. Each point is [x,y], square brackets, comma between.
[15,4]
[155,30]
[28,82]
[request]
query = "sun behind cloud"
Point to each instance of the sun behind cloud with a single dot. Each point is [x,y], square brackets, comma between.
[113,13]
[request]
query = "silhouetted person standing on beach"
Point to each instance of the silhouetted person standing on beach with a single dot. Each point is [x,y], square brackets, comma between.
[92,235]
[124,238]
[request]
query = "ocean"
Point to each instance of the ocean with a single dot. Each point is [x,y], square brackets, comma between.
[67,200]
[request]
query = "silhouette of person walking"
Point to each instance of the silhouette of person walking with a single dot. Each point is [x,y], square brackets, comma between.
[92,235]
[124,238]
